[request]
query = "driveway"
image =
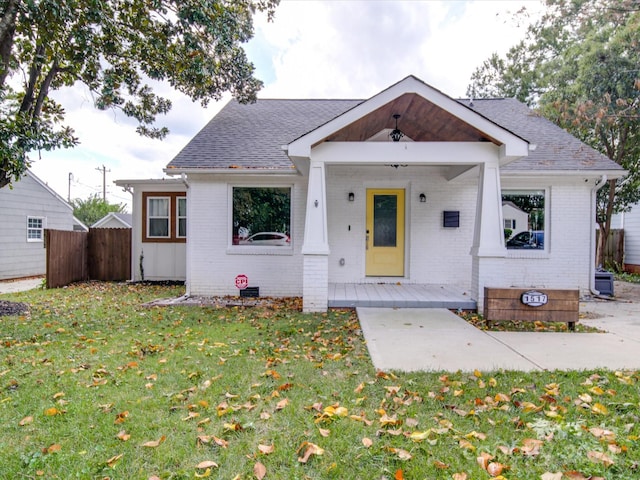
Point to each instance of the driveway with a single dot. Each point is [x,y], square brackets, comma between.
[436,339]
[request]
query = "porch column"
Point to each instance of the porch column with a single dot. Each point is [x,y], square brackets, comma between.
[315,248]
[488,239]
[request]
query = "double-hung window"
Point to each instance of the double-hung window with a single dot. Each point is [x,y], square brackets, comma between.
[35,229]
[181,215]
[164,217]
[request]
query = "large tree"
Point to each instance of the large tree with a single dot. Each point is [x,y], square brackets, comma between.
[579,65]
[114,47]
[93,208]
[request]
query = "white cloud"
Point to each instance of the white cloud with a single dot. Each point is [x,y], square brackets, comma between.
[313,49]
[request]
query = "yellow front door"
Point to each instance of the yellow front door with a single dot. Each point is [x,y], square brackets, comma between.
[385,233]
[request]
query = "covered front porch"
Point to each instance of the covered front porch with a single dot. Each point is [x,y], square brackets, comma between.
[349,295]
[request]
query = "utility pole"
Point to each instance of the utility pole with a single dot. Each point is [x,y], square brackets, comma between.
[69,192]
[104,181]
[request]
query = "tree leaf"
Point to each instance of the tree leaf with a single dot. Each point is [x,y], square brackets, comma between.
[266,449]
[259,471]
[155,443]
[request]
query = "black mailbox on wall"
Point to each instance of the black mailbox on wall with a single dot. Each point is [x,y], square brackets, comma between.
[451,219]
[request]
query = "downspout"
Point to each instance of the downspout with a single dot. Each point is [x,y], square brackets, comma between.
[592,265]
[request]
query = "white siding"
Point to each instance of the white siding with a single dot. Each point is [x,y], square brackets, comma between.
[632,236]
[28,198]
[151,260]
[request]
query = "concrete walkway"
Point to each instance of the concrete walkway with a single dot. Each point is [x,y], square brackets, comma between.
[21,285]
[437,339]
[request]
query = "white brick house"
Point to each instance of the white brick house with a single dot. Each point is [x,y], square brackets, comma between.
[300,195]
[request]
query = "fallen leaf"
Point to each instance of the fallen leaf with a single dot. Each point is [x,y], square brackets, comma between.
[259,470]
[25,421]
[206,464]
[113,460]
[266,449]
[309,449]
[400,453]
[282,403]
[53,411]
[155,443]
[599,409]
[494,469]
[551,476]
[53,448]
[398,475]
[367,442]
[122,435]
[324,432]
[598,457]
[459,476]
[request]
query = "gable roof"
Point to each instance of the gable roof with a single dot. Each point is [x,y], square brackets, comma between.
[252,136]
[555,148]
[125,219]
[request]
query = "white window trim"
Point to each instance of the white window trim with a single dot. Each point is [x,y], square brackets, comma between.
[178,217]
[149,217]
[266,249]
[530,253]
[43,221]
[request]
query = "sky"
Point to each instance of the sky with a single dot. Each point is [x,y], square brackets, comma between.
[312,49]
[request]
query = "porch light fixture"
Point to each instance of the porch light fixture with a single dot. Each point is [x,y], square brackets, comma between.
[352,196]
[423,198]
[396,134]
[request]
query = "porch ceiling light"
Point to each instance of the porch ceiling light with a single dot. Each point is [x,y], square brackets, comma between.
[396,134]
[352,196]
[423,198]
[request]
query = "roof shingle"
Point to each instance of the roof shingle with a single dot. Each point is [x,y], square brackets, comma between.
[251,136]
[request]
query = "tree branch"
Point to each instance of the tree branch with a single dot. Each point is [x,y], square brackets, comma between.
[7,33]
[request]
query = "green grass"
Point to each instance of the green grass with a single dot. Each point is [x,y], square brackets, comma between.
[90,362]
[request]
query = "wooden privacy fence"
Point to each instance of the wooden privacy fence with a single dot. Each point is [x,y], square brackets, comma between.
[614,249]
[100,254]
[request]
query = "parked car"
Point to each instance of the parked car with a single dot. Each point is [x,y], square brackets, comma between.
[267,238]
[531,239]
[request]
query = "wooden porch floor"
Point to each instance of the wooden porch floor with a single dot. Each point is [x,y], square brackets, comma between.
[399,296]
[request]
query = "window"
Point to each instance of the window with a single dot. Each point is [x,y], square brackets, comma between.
[35,229]
[261,216]
[181,215]
[165,217]
[524,230]
[158,217]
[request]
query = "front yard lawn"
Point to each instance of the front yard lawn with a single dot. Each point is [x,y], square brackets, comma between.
[95,386]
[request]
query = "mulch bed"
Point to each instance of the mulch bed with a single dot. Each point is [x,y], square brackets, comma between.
[12,308]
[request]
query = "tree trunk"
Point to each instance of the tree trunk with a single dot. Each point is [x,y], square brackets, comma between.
[7,32]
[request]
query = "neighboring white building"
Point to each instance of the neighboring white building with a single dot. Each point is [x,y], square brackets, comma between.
[630,223]
[114,220]
[298,195]
[514,218]
[26,210]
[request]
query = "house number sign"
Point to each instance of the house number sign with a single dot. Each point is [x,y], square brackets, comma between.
[533,298]
[242,281]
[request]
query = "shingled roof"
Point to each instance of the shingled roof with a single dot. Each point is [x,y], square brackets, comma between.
[251,136]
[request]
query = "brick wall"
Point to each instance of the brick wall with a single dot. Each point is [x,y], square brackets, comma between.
[214,263]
